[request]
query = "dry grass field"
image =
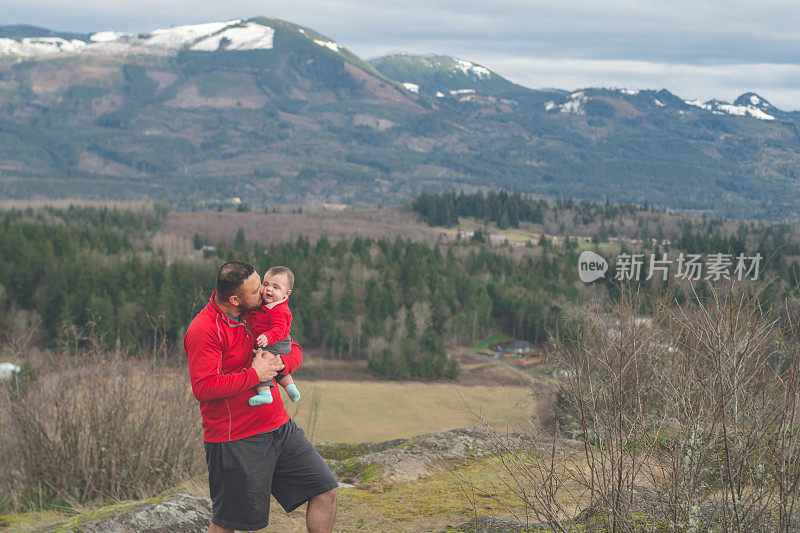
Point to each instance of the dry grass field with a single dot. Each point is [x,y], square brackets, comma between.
[347,411]
[132,205]
[268,228]
[343,402]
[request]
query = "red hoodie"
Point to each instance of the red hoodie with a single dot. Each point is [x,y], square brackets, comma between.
[271,320]
[220,351]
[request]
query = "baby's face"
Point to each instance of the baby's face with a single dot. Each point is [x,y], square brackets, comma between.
[275,288]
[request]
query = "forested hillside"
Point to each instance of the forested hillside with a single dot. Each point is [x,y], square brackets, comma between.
[76,276]
[90,272]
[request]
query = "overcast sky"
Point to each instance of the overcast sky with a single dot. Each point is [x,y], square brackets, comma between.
[696,49]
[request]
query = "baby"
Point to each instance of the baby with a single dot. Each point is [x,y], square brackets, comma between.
[271,324]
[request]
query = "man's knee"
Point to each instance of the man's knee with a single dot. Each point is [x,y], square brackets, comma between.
[326,498]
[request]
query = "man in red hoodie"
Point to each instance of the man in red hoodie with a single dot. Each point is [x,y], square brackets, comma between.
[250,451]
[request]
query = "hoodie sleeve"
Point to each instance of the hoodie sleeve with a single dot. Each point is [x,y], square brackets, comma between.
[293,359]
[204,354]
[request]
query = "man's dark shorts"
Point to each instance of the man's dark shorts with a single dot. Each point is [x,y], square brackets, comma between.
[242,473]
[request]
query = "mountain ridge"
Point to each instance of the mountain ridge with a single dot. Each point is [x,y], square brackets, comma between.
[274,112]
[211,37]
[442,75]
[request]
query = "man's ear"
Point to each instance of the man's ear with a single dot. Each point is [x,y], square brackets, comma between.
[234,300]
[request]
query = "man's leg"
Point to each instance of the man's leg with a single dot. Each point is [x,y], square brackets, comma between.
[321,512]
[301,476]
[239,486]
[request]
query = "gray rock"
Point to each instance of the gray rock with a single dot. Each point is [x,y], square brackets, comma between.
[178,513]
[404,460]
[491,524]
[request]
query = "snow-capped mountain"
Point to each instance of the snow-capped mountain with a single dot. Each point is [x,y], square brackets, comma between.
[748,104]
[593,101]
[443,76]
[231,35]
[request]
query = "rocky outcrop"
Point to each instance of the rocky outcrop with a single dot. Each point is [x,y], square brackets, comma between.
[404,460]
[177,513]
[491,524]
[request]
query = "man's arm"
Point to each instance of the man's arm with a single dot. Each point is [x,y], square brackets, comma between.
[293,359]
[205,357]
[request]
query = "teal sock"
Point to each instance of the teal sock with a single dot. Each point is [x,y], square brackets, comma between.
[293,393]
[263,397]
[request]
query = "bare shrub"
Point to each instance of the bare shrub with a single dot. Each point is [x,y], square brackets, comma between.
[687,423]
[100,429]
[21,328]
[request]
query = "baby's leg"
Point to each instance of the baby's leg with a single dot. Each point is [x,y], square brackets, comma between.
[284,380]
[263,394]
[263,386]
[287,383]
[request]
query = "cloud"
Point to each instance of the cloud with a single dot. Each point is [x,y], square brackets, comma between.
[647,30]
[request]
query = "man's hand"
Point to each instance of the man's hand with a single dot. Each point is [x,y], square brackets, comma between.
[267,365]
[261,340]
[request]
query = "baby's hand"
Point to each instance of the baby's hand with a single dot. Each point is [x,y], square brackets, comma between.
[261,340]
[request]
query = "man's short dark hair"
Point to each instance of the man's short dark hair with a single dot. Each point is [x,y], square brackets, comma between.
[230,278]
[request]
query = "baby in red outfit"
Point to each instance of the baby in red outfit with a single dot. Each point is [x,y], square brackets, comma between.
[271,323]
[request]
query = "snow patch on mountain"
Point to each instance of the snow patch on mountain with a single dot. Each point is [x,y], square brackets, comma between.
[659,103]
[468,67]
[574,104]
[182,36]
[698,103]
[744,110]
[328,44]
[413,87]
[108,36]
[630,92]
[251,36]
[721,108]
[228,35]
[462,91]
[39,46]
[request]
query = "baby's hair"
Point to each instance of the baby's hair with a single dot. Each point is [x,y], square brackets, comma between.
[282,270]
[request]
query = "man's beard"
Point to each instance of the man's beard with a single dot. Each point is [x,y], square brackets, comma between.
[242,308]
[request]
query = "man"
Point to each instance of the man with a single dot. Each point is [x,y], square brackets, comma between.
[250,451]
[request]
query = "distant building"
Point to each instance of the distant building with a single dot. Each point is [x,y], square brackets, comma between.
[9,370]
[518,348]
